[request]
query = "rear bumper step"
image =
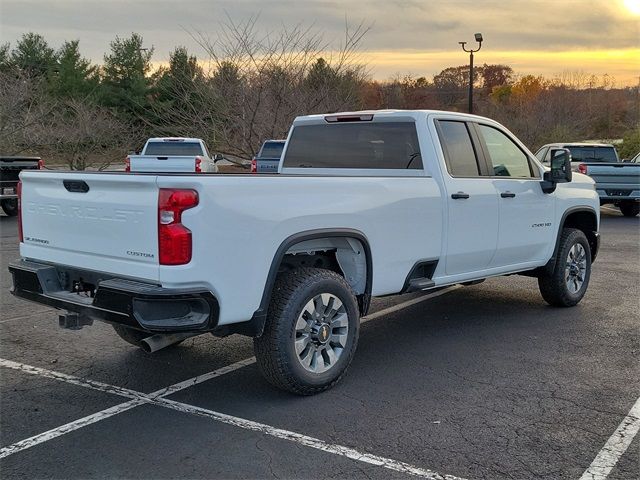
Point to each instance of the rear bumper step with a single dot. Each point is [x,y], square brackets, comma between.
[139,305]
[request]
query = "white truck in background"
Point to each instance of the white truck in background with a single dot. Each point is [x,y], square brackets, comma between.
[173,154]
[366,204]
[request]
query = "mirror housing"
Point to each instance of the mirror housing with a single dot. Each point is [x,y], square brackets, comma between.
[560,171]
[217,157]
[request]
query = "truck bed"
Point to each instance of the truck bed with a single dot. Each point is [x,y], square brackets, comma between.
[112,227]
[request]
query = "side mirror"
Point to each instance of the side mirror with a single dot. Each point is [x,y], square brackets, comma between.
[217,157]
[560,171]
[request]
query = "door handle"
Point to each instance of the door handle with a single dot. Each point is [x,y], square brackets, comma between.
[507,194]
[459,195]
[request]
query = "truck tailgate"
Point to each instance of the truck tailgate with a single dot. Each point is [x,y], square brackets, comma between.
[96,221]
[620,174]
[151,163]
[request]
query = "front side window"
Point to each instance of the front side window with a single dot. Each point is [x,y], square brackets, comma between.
[540,154]
[506,157]
[375,145]
[460,155]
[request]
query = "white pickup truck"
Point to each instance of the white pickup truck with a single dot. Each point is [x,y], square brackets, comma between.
[366,204]
[173,154]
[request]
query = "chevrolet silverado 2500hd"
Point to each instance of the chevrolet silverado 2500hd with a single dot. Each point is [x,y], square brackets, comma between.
[366,204]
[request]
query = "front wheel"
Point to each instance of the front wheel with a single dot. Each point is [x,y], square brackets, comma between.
[567,284]
[10,206]
[311,332]
[630,209]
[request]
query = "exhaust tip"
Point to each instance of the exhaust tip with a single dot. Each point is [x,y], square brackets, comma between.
[159,340]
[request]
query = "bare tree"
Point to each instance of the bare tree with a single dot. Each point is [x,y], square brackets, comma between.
[260,82]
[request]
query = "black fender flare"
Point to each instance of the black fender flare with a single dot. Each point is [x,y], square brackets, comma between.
[549,267]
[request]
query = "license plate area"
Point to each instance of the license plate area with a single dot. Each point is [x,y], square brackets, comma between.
[618,193]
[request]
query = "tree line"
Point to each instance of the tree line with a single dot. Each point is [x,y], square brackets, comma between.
[57,104]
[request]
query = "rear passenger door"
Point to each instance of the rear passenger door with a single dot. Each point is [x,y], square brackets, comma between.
[471,201]
[526,212]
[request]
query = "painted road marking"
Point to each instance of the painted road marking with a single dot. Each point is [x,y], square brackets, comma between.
[109,412]
[265,429]
[615,447]
[123,407]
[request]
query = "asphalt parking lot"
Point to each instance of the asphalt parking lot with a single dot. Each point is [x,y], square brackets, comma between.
[475,382]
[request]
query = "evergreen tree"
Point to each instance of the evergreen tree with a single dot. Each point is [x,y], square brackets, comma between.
[33,55]
[74,77]
[126,85]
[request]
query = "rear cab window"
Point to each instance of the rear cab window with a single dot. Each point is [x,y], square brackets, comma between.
[593,154]
[176,149]
[271,150]
[369,145]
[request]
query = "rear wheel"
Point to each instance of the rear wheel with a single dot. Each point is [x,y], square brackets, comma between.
[311,331]
[567,284]
[10,206]
[630,209]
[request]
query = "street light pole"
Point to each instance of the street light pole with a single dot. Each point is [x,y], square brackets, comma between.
[471,51]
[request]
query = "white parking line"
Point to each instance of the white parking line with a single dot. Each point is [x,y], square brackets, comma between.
[67,428]
[136,399]
[265,429]
[615,447]
[103,414]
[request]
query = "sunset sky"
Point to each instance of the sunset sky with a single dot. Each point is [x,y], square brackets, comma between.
[406,36]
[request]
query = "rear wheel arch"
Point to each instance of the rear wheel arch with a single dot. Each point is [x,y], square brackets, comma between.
[314,241]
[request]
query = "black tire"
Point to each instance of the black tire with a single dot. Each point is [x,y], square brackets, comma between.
[130,335]
[275,349]
[10,206]
[554,287]
[630,209]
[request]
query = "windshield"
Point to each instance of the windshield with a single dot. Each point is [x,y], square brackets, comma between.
[173,149]
[593,154]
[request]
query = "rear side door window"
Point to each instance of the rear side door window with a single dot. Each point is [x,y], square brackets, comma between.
[505,157]
[460,154]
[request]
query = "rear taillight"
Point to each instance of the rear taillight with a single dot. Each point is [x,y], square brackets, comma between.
[198,165]
[174,239]
[582,168]
[254,165]
[127,164]
[19,190]
[40,164]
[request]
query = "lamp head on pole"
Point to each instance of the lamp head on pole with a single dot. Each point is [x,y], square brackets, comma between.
[479,37]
